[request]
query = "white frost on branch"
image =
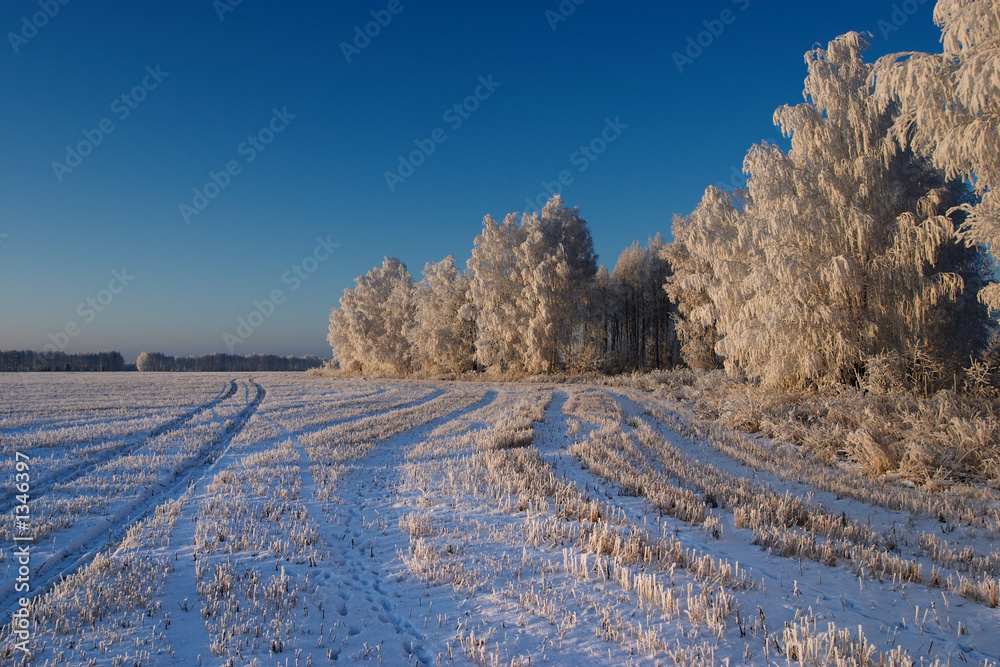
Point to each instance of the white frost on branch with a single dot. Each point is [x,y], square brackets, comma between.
[949,109]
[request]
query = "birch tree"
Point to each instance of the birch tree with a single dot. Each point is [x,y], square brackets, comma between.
[494,288]
[833,257]
[368,332]
[442,333]
[530,289]
[558,266]
[949,110]
[706,242]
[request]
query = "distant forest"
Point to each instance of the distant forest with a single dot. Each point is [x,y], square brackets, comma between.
[31,361]
[154,361]
[28,360]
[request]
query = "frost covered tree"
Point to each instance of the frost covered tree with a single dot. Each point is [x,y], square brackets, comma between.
[368,332]
[546,281]
[345,355]
[704,242]
[949,109]
[494,288]
[151,361]
[529,287]
[442,334]
[558,265]
[834,256]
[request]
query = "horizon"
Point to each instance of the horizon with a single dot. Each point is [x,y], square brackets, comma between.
[182,174]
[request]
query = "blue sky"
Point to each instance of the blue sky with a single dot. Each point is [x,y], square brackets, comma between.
[267,93]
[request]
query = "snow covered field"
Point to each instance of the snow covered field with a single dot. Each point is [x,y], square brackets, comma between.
[206,519]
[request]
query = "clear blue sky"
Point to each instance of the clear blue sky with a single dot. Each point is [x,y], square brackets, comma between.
[218,82]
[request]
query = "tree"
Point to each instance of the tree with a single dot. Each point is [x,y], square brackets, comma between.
[494,287]
[706,242]
[237,363]
[29,360]
[603,318]
[345,355]
[949,110]
[530,289]
[442,334]
[643,336]
[151,361]
[546,279]
[368,332]
[558,266]
[833,256]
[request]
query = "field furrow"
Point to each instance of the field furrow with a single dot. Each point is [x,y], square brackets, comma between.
[288,519]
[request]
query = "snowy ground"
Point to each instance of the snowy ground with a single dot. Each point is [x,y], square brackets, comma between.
[206,519]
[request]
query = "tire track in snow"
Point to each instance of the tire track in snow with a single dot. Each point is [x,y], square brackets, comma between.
[83,549]
[182,583]
[66,474]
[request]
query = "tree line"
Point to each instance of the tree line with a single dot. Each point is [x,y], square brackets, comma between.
[531,300]
[866,249]
[31,361]
[154,361]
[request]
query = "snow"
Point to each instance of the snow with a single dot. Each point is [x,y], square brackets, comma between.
[282,519]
